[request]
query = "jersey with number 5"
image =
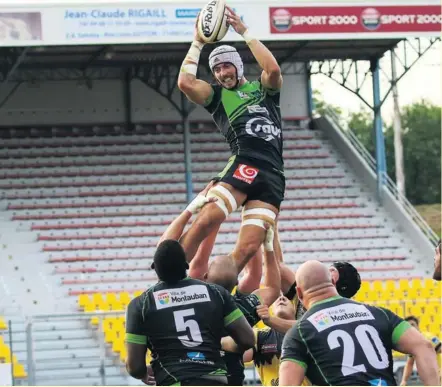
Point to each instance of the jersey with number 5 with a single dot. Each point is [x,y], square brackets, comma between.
[182,325]
[342,342]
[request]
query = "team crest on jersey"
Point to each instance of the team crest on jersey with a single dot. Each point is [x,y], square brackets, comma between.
[183,296]
[243,95]
[339,315]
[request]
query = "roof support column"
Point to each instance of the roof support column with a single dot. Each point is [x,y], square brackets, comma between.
[185,111]
[310,103]
[381,163]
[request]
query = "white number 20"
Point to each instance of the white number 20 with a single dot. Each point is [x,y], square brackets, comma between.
[362,333]
[182,326]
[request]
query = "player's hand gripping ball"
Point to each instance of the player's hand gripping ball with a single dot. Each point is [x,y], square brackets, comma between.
[212,23]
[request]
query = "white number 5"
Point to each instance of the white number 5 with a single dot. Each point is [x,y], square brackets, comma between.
[182,326]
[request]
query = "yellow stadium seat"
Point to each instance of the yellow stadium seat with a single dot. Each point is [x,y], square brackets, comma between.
[19,371]
[5,354]
[97,298]
[390,285]
[90,307]
[138,293]
[118,345]
[110,336]
[435,329]
[377,286]
[3,324]
[403,284]
[125,298]
[365,286]
[416,283]
[95,320]
[111,298]
[116,305]
[83,300]
[123,354]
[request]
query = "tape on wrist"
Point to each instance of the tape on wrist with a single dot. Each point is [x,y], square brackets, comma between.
[247,37]
[189,68]
[193,55]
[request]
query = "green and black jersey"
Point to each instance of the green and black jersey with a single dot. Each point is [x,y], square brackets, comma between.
[182,325]
[341,342]
[249,117]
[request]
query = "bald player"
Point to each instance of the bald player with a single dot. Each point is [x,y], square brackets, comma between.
[343,342]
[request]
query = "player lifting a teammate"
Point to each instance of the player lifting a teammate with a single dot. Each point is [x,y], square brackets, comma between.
[343,342]
[248,115]
[181,321]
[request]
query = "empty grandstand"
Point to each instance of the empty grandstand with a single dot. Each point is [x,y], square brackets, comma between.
[95,165]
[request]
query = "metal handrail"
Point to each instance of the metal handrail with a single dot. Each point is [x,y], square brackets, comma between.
[390,185]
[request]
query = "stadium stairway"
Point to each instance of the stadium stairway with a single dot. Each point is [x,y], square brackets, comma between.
[82,210]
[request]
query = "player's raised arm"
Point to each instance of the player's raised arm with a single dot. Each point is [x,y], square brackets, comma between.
[272,277]
[271,77]
[196,90]
[409,340]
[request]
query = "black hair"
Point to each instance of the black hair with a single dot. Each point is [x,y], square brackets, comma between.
[349,281]
[412,318]
[170,262]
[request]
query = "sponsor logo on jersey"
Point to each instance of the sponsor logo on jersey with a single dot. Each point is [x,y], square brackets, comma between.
[263,128]
[339,315]
[257,109]
[183,296]
[246,174]
[163,298]
[269,348]
[196,356]
[378,382]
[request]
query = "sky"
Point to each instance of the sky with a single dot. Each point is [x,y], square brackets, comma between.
[423,80]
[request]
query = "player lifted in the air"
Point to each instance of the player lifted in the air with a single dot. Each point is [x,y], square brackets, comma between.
[248,115]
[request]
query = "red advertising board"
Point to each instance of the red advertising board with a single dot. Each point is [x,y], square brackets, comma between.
[355,19]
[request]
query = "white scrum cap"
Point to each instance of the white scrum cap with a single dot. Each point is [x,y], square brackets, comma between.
[226,54]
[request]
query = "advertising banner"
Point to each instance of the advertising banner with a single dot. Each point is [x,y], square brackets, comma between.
[169,22]
[355,19]
[154,23]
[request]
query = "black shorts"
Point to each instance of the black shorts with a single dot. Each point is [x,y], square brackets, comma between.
[257,181]
[200,382]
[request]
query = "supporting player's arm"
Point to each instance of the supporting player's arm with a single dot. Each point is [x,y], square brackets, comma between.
[196,90]
[271,286]
[136,341]
[278,324]
[176,228]
[253,273]
[408,369]
[294,359]
[407,339]
[271,77]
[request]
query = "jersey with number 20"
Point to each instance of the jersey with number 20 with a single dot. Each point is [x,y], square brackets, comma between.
[182,325]
[342,342]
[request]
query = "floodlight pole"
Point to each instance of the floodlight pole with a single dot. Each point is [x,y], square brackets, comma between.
[187,147]
[379,134]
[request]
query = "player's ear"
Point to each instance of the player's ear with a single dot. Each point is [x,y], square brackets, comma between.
[299,294]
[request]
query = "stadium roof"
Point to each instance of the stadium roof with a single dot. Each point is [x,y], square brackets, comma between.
[124,56]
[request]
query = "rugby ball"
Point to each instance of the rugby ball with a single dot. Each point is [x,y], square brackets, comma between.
[212,23]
